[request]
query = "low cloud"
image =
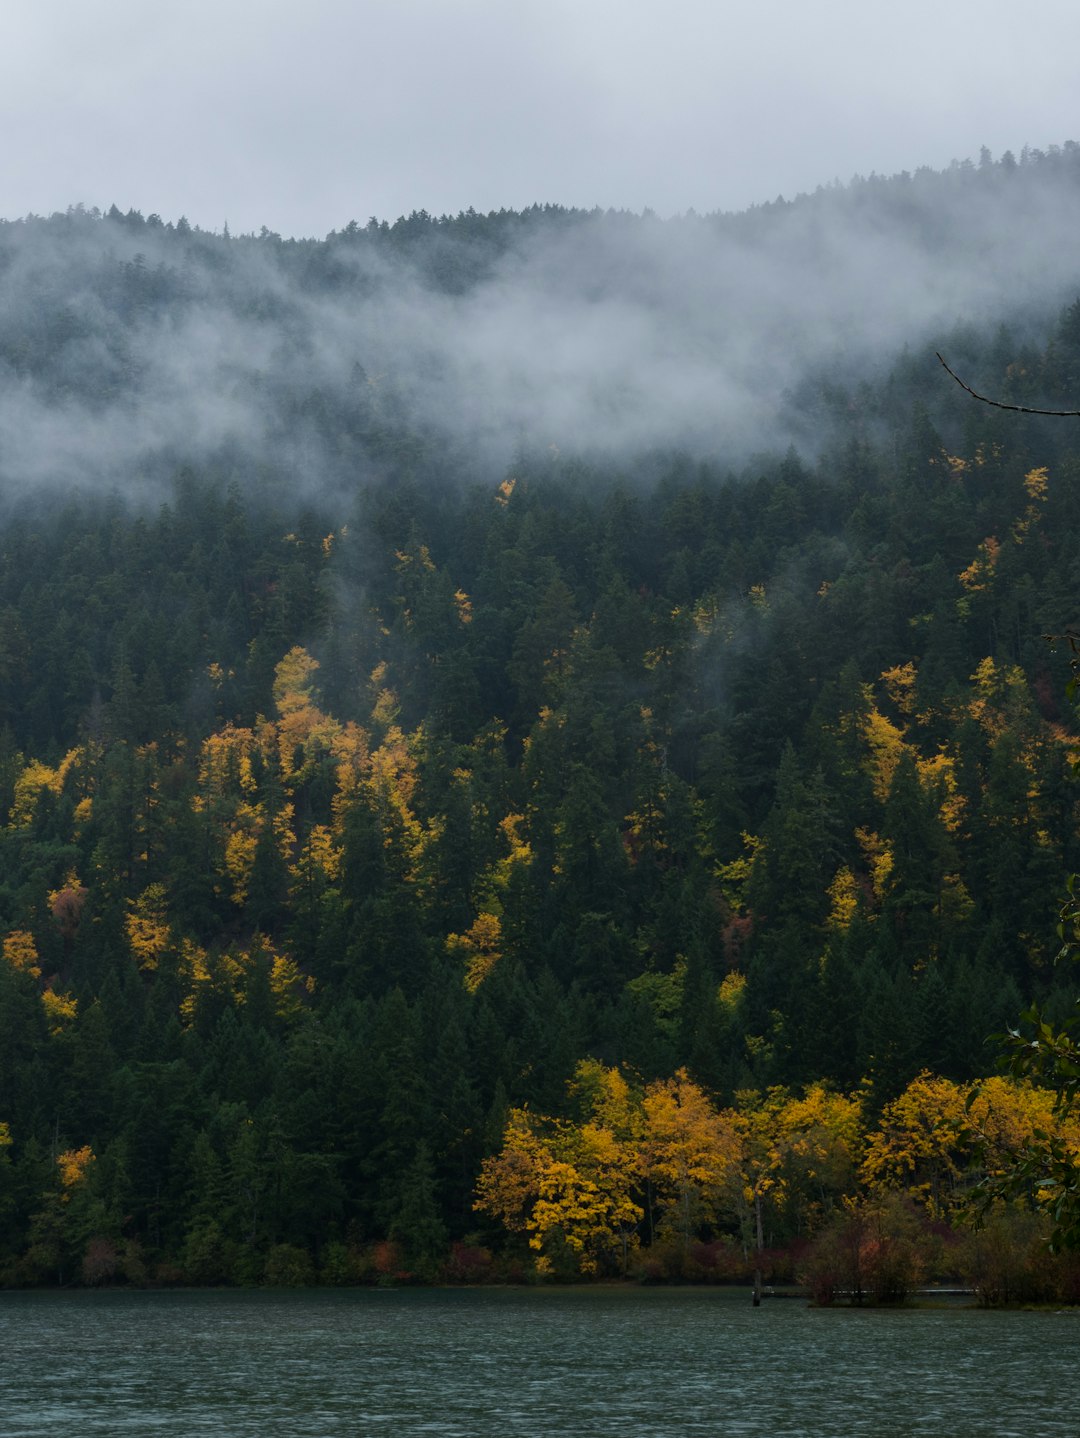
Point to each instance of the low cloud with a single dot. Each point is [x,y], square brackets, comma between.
[126,349]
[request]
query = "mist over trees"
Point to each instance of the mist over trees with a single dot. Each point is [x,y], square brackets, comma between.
[528,739]
[129,346]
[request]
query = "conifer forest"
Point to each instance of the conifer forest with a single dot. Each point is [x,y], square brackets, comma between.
[450,842]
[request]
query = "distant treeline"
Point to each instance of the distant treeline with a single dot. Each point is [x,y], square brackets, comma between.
[440,347]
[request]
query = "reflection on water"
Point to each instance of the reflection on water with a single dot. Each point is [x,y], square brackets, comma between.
[469,1363]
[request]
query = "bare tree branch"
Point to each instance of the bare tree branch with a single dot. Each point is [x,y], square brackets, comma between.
[1020,408]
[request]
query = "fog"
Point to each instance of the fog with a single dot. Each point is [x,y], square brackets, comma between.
[128,349]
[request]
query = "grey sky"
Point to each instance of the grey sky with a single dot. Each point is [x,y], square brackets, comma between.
[302,116]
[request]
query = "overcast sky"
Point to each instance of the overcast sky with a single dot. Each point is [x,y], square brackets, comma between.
[303,114]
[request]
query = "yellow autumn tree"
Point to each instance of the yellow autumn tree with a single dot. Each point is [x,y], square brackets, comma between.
[820,1142]
[1006,1114]
[689,1153]
[73,1166]
[604,1097]
[1001,691]
[922,1143]
[60,1010]
[147,924]
[794,1150]
[303,733]
[33,780]
[288,985]
[478,950]
[211,971]
[570,1187]
[938,1139]
[225,766]
[979,574]
[1036,483]
[547,1182]
[844,895]
[391,786]
[585,1202]
[885,744]
[20,953]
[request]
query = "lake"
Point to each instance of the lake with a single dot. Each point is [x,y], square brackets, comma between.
[475,1362]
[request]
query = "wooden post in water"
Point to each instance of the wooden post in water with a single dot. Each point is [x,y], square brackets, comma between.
[759,1245]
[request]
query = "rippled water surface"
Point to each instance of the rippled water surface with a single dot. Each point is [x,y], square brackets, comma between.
[472,1363]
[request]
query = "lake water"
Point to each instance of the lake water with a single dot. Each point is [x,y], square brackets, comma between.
[478,1362]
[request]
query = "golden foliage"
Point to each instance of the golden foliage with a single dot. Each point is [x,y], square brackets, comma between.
[980,572]
[479,949]
[508,1180]
[228,973]
[282,825]
[33,780]
[20,953]
[218,674]
[518,853]
[351,750]
[584,1204]
[940,771]
[288,984]
[605,1095]
[938,1137]
[225,765]
[879,858]
[320,853]
[886,745]
[822,1132]
[921,1144]
[421,559]
[385,707]
[293,676]
[705,614]
[240,849]
[689,1150]
[569,1187]
[195,968]
[147,925]
[843,899]
[1036,482]
[391,785]
[900,686]
[73,1166]
[60,1010]
[577,1186]
[729,994]
[734,876]
[533,1185]
[999,689]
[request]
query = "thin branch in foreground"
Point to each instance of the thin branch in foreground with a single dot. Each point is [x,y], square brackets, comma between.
[1019,408]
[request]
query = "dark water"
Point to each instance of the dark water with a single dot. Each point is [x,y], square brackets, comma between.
[467,1364]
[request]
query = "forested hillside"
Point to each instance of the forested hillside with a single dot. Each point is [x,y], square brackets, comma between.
[385,815]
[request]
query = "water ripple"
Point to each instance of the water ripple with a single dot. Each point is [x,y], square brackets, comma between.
[473,1363]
